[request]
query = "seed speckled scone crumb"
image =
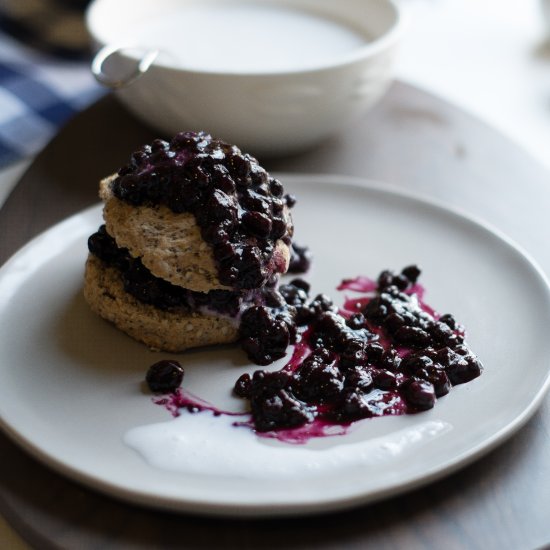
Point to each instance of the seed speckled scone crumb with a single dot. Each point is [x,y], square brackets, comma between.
[170,245]
[160,330]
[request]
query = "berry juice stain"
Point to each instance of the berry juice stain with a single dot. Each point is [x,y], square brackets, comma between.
[180,399]
[384,352]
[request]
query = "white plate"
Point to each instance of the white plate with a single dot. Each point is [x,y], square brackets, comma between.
[71,390]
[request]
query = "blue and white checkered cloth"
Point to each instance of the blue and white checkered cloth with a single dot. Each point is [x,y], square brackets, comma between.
[38,94]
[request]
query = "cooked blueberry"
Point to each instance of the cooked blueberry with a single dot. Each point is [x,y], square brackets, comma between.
[442,333]
[415,361]
[264,382]
[300,259]
[463,370]
[279,410]
[278,227]
[258,175]
[290,200]
[239,166]
[394,322]
[437,377]
[388,279]
[300,283]
[353,354]
[359,378]
[376,310]
[243,386]
[412,336]
[164,376]
[264,337]
[318,379]
[384,379]
[276,188]
[273,298]
[259,224]
[418,393]
[353,405]
[356,321]
[293,295]
[390,360]
[322,303]
[374,352]
[385,279]
[411,272]
[449,320]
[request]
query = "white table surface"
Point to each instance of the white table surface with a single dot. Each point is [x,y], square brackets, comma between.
[489,57]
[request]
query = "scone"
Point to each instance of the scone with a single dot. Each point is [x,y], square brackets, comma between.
[170,244]
[195,233]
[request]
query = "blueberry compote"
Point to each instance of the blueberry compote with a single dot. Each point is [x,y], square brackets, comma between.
[242,211]
[145,287]
[385,352]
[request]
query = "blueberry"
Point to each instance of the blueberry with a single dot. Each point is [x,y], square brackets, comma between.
[359,378]
[437,377]
[234,200]
[375,352]
[243,386]
[293,295]
[264,337]
[353,405]
[415,361]
[390,360]
[376,311]
[418,393]
[318,379]
[384,379]
[441,333]
[290,200]
[411,272]
[280,410]
[385,279]
[276,187]
[164,376]
[259,224]
[278,227]
[464,370]
[412,336]
[353,355]
[300,283]
[388,279]
[356,321]
[449,320]
[300,259]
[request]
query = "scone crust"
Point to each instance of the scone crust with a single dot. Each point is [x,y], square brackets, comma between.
[160,330]
[170,245]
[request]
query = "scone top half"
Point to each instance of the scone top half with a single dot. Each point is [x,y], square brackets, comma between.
[200,214]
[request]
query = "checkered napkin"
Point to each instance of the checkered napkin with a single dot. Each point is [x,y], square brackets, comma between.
[38,94]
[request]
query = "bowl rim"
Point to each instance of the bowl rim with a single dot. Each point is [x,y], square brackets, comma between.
[370,49]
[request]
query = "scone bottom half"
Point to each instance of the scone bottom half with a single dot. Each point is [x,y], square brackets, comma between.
[195,238]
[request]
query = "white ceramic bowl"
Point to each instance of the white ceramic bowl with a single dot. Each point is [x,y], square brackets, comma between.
[264,111]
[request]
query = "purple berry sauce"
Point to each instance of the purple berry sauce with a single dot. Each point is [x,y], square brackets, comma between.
[145,287]
[242,211]
[385,352]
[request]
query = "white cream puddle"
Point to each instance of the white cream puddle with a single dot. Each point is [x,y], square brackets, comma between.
[203,443]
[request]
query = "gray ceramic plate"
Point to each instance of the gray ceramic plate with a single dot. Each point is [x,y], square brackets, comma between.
[70,389]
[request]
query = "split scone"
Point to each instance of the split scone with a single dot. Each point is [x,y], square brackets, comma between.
[195,233]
